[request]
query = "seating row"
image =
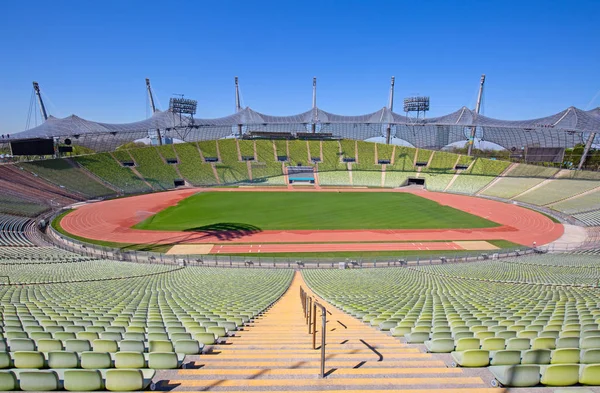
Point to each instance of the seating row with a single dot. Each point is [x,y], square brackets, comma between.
[483,358]
[184,345]
[76,380]
[90,360]
[552,375]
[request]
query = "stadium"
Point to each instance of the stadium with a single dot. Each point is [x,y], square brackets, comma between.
[313,252]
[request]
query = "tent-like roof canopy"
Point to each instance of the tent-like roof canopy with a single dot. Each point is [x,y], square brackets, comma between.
[563,129]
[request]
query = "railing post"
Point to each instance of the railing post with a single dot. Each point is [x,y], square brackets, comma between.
[323,331]
[314,323]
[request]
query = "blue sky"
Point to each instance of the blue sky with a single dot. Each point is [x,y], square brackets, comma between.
[91,58]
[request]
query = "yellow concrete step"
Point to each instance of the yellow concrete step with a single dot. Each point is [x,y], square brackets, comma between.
[317,382]
[257,372]
[425,390]
[215,364]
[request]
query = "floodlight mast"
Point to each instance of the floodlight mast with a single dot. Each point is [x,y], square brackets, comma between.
[36,88]
[153,107]
[391,108]
[314,106]
[477,108]
[238,105]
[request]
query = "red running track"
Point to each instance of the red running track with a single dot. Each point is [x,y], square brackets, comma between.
[330,247]
[112,221]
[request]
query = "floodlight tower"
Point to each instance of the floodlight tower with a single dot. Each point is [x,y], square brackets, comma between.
[391,108]
[315,114]
[153,107]
[36,88]
[477,108]
[238,105]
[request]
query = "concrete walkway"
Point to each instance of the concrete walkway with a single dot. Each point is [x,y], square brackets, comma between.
[275,354]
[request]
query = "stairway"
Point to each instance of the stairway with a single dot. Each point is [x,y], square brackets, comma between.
[275,354]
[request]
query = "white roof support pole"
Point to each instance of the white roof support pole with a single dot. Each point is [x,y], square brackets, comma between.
[477,108]
[153,107]
[588,146]
[388,136]
[391,99]
[36,88]
[238,105]
[314,106]
[150,96]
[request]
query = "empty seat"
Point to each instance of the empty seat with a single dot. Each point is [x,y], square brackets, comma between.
[127,380]
[160,346]
[192,347]
[164,360]
[8,381]
[590,356]
[47,345]
[518,344]
[38,380]
[567,342]
[565,356]
[493,344]
[560,374]
[205,338]
[592,342]
[105,346]
[21,344]
[83,380]
[516,375]
[440,345]
[464,344]
[132,346]
[471,358]
[536,356]
[505,357]
[29,359]
[129,360]
[62,359]
[589,374]
[78,345]
[95,360]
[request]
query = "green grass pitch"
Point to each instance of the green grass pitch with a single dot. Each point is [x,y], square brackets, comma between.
[311,211]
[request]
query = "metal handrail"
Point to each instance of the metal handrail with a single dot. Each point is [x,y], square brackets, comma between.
[309,308]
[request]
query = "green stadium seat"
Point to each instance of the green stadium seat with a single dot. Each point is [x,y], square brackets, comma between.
[188,347]
[160,346]
[38,381]
[505,358]
[47,345]
[471,358]
[516,375]
[95,360]
[589,374]
[103,345]
[21,344]
[62,359]
[132,346]
[8,381]
[83,380]
[560,374]
[536,356]
[77,345]
[128,380]
[440,345]
[28,359]
[164,360]
[129,360]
